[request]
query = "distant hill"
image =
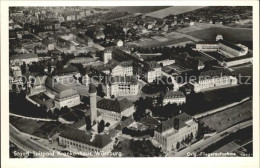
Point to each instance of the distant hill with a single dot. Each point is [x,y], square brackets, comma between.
[174,10]
[140,9]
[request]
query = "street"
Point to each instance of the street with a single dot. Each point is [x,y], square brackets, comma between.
[27,144]
[199,146]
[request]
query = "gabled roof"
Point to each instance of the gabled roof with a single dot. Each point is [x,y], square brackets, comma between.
[114,105]
[231,45]
[169,124]
[212,73]
[98,140]
[174,94]
[69,69]
[66,93]
[23,56]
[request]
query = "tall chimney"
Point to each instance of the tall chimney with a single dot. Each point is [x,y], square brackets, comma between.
[93,103]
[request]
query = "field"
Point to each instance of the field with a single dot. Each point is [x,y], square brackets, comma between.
[246,70]
[41,129]
[146,43]
[229,117]
[229,34]
[37,128]
[175,10]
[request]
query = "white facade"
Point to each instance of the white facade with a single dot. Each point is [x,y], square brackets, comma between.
[116,116]
[177,100]
[169,138]
[84,147]
[122,89]
[166,62]
[22,60]
[214,82]
[69,101]
[152,75]
[237,62]
[107,56]
[122,71]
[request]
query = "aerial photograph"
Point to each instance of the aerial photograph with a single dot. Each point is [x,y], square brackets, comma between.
[130,81]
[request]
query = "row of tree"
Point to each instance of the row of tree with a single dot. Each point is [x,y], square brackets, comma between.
[137,133]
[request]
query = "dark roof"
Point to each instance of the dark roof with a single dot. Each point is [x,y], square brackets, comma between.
[108,49]
[23,56]
[231,45]
[212,73]
[238,58]
[69,69]
[168,124]
[126,63]
[114,105]
[207,42]
[56,87]
[66,93]
[99,140]
[173,94]
[123,79]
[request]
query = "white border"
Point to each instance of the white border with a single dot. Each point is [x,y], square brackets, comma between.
[125,162]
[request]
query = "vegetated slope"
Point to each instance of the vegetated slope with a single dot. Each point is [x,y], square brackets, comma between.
[174,10]
[140,9]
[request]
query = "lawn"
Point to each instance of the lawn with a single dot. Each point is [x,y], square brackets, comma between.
[229,34]
[37,128]
[229,117]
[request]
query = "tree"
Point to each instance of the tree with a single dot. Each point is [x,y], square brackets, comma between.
[178,145]
[101,126]
[88,123]
[49,67]
[107,124]
[23,68]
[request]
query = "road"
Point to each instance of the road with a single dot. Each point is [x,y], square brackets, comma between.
[26,144]
[220,108]
[199,146]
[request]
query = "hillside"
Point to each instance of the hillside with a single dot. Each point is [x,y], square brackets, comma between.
[140,9]
[174,10]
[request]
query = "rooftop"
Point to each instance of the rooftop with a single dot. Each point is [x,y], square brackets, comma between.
[231,45]
[23,56]
[177,120]
[174,94]
[66,93]
[99,140]
[114,105]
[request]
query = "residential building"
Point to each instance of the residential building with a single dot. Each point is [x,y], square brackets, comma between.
[115,109]
[37,86]
[107,55]
[66,75]
[174,97]
[224,47]
[211,79]
[27,58]
[85,142]
[122,86]
[175,130]
[152,71]
[68,97]
[166,62]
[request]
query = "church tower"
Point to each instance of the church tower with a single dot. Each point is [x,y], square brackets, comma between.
[93,103]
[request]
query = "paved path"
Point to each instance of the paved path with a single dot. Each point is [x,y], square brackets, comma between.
[28,144]
[31,118]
